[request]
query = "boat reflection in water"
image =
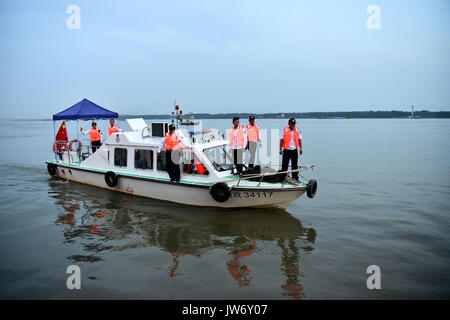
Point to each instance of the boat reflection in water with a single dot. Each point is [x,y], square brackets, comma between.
[104,222]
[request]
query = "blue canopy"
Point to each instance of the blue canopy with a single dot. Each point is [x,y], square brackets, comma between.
[85,109]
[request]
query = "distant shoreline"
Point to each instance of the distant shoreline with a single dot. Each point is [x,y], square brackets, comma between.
[305,115]
[423,114]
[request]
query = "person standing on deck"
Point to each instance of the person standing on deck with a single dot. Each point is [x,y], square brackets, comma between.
[112,127]
[290,141]
[238,143]
[252,140]
[96,137]
[172,144]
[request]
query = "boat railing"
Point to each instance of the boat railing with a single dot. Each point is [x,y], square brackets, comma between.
[59,147]
[267,174]
[63,152]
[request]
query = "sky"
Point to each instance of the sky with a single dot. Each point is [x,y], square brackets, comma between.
[137,57]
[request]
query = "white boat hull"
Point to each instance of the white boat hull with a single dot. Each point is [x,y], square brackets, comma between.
[182,192]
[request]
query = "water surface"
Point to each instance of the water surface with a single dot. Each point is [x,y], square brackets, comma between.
[383,199]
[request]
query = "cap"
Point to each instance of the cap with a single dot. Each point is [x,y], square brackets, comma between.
[172,126]
[93,122]
[252,117]
[292,120]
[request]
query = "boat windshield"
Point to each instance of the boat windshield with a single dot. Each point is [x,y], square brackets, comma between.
[219,158]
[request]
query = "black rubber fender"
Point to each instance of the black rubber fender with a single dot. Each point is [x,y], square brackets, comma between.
[51,168]
[220,192]
[111,179]
[311,188]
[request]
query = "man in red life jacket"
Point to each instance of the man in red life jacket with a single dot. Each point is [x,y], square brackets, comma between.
[238,143]
[196,167]
[200,168]
[253,139]
[112,127]
[96,137]
[172,144]
[290,141]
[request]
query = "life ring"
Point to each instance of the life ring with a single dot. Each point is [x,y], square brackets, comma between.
[220,192]
[111,179]
[51,168]
[63,145]
[80,145]
[311,188]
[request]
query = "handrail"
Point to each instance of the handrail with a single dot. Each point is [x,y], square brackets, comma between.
[262,175]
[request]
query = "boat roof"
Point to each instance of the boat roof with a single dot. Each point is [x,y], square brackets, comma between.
[134,138]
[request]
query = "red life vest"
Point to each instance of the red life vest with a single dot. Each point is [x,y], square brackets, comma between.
[287,137]
[172,141]
[200,168]
[112,129]
[252,132]
[95,134]
[240,136]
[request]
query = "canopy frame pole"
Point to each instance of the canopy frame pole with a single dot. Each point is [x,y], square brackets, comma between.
[78,145]
[54,141]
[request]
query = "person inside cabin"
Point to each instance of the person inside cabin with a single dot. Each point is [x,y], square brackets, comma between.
[112,127]
[196,167]
[172,144]
[200,168]
[96,137]
[238,143]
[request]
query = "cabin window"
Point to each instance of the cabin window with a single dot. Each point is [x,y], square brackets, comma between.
[161,161]
[120,157]
[192,165]
[143,159]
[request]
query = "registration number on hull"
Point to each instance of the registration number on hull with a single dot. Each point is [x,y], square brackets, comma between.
[248,194]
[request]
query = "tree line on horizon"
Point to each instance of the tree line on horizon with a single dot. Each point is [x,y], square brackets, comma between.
[303,115]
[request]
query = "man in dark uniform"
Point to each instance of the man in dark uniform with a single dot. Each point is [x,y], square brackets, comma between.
[172,143]
[290,142]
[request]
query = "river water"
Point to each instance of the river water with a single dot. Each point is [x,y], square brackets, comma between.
[383,199]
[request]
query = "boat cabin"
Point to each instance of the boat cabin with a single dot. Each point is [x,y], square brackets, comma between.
[137,151]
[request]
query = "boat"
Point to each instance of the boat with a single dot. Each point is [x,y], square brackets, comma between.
[128,162]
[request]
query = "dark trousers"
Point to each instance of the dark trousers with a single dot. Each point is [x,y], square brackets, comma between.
[238,159]
[95,145]
[252,145]
[290,155]
[173,169]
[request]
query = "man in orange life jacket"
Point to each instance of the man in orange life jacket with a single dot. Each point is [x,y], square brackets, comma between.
[172,144]
[96,137]
[196,167]
[253,139]
[112,127]
[238,143]
[290,141]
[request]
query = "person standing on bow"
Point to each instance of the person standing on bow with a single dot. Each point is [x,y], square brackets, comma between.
[252,140]
[238,143]
[96,137]
[172,145]
[290,142]
[112,127]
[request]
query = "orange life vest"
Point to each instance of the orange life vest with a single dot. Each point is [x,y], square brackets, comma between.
[287,137]
[240,136]
[95,134]
[172,141]
[252,132]
[112,129]
[201,169]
